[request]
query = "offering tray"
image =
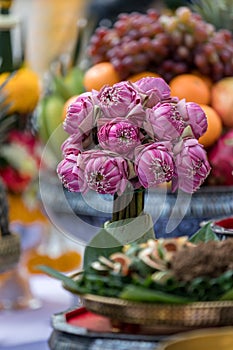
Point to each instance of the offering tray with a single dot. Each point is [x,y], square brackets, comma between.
[169,315]
[81,329]
[196,314]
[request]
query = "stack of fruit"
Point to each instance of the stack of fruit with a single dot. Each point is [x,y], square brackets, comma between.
[19,151]
[191,54]
[184,47]
[59,91]
[20,91]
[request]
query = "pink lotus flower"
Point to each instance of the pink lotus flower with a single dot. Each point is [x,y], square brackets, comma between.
[154,164]
[128,133]
[166,121]
[153,90]
[104,172]
[70,175]
[119,136]
[191,164]
[76,143]
[72,145]
[194,116]
[122,101]
[81,115]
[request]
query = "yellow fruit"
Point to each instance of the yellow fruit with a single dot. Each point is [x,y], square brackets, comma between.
[22,91]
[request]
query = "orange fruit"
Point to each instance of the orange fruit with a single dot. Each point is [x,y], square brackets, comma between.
[206,78]
[214,129]
[141,75]
[191,87]
[66,105]
[222,100]
[100,74]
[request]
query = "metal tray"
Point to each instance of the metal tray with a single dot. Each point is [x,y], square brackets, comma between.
[197,314]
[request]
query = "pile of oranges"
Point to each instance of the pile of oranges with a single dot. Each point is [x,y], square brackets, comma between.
[193,87]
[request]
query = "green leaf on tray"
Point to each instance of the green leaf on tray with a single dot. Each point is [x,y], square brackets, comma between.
[138,229]
[204,234]
[114,235]
[98,246]
[141,294]
[68,281]
[228,295]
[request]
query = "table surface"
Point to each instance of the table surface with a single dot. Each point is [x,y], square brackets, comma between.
[30,329]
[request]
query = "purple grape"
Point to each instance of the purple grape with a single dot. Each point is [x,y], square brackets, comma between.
[168,44]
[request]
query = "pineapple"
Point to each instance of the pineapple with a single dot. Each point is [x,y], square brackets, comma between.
[218,12]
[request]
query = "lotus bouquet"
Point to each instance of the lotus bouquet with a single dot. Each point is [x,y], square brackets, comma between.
[131,137]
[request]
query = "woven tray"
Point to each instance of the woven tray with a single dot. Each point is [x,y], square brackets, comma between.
[184,316]
[9,242]
[198,314]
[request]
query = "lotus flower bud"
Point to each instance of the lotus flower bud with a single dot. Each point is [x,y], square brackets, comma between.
[104,172]
[121,100]
[119,136]
[70,175]
[81,115]
[193,115]
[153,90]
[166,121]
[72,145]
[76,143]
[154,164]
[191,164]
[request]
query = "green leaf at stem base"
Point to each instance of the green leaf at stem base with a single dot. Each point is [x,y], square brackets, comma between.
[115,235]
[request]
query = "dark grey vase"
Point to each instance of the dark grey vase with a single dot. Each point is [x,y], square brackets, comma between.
[173,214]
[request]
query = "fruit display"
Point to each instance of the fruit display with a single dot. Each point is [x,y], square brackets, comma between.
[222,101]
[58,92]
[20,90]
[191,54]
[106,71]
[218,12]
[167,44]
[214,129]
[20,149]
[221,158]
[189,50]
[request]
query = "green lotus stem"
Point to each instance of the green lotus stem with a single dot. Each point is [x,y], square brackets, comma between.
[133,207]
[115,211]
[124,208]
[122,201]
[140,201]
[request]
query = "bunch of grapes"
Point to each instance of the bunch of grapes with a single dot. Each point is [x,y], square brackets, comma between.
[167,44]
